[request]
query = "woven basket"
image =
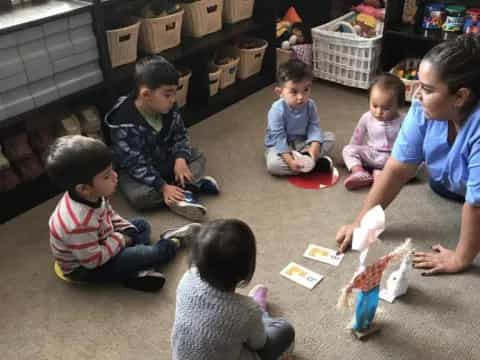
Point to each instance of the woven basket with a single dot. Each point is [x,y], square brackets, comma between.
[237,10]
[214,80]
[182,89]
[229,72]
[411,86]
[122,44]
[202,17]
[161,33]
[251,60]
[283,55]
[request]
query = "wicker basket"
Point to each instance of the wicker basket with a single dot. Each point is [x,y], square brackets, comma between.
[202,17]
[411,86]
[214,79]
[345,58]
[122,44]
[237,10]
[283,55]
[251,60]
[229,72]
[160,33]
[182,90]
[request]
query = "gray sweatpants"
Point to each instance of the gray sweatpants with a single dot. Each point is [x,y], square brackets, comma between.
[277,166]
[143,197]
[280,337]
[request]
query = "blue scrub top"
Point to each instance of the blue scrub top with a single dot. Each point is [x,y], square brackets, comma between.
[455,166]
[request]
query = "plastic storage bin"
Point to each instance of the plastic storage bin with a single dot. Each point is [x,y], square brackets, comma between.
[122,44]
[202,17]
[237,10]
[161,33]
[345,58]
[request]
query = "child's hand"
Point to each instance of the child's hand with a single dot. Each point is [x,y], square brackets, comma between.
[182,172]
[172,193]
[295,165]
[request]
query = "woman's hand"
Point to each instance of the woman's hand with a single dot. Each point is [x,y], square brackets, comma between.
[442,260]
[344,237]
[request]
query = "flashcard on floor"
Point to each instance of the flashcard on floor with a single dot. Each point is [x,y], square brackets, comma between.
[301,275]
[323,254]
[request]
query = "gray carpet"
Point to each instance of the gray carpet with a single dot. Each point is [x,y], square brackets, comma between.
[43,318]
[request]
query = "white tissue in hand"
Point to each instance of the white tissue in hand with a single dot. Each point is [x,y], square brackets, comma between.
[371,226]
[307,162]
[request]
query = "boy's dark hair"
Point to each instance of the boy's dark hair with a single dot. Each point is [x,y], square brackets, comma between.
[293,70]
[458,65]
[153,72]
[75,159]
[225,253]
[390,82]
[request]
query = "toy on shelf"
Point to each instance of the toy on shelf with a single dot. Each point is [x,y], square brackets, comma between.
[369,274]
[369,20]
[407,71]
[409,11]
[472,23]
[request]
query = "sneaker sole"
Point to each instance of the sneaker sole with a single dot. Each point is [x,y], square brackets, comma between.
[354,185]
[146,283]
[195,212]
[181,232]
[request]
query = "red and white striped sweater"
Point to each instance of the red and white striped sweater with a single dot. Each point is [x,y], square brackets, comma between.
[81,235]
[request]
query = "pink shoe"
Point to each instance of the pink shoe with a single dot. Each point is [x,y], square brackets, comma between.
[259,295]
[358,180]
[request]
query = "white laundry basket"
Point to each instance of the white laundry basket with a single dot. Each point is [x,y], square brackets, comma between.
[343,57]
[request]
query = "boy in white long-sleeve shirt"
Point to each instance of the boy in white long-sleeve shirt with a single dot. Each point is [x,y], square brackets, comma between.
[89,240]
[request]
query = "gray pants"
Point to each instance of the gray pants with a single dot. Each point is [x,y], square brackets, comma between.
[280,337]
[277,166]
[143,197]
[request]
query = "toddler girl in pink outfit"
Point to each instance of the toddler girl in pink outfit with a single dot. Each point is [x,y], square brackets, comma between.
[376,131]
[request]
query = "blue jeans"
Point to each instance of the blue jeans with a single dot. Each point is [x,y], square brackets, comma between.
[439,189]
[280,335]
[365,308]
[128,262]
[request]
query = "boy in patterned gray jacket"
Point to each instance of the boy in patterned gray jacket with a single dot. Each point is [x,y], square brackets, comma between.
[156,163]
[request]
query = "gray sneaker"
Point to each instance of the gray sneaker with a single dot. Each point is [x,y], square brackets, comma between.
[182,235]
[189,208]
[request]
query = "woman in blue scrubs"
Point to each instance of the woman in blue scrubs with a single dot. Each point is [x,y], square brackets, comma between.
[441,129]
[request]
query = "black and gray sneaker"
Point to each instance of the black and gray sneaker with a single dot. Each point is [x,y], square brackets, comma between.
[182,235]
[189,208]
[148,281]
[324,164]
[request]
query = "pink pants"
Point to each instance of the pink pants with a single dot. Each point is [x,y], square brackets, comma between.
[365,156]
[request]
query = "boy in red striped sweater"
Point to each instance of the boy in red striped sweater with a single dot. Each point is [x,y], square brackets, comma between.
[89,240]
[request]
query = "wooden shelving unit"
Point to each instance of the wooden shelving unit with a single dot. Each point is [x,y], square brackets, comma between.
[410,40]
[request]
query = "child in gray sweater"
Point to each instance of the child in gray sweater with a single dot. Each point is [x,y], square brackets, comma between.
[212,321]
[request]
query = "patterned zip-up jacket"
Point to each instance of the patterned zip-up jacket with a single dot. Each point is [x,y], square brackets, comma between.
[138,148]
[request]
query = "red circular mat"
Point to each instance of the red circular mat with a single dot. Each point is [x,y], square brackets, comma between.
[315,180]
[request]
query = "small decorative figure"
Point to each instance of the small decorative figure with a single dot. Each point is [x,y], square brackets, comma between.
[369,274]
[397,283]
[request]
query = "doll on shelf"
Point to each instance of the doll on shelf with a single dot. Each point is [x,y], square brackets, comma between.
[300,42]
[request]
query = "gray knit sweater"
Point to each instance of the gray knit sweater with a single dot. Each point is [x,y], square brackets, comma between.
[215,325]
